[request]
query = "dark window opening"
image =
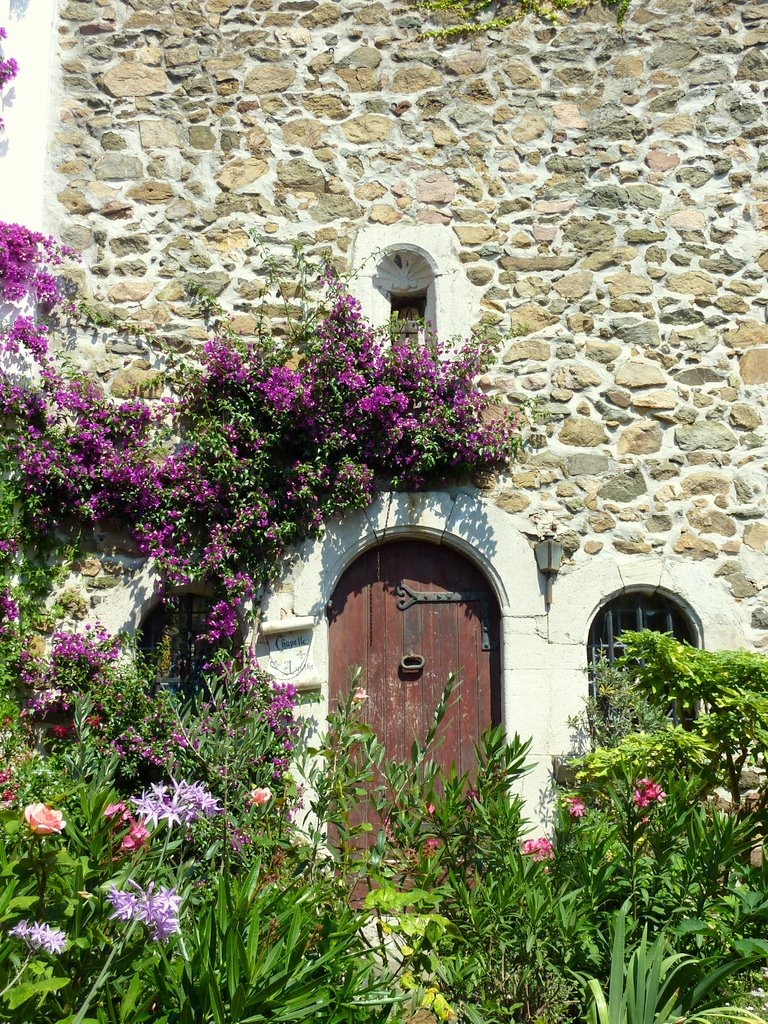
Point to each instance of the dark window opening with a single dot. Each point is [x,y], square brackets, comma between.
[171,637]
[409,307]
[635,610]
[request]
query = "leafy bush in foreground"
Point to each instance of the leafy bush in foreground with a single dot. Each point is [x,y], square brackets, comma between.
[214,896]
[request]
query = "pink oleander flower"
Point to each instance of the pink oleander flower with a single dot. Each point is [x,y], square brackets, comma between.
[647,792]
[112,810]
[261,795]
[43,820]
[430,846]
[576,806]
[360,694]
[430,808]
[541,849]
[137,836]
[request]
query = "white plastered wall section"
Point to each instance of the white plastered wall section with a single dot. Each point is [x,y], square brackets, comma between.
[454,307]
[122,609]
[543,656]
[26,110]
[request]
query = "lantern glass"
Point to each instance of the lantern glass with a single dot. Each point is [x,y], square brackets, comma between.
[549,554]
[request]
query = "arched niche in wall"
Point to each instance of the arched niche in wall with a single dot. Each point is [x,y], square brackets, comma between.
[407,281]
[172,636]
[400,269]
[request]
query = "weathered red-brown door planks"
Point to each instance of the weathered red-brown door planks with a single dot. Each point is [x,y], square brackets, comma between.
[403,602]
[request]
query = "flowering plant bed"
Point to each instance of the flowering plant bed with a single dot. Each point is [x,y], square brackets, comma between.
[216,900]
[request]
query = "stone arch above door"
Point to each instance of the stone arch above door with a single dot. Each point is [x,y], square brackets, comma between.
[465,521]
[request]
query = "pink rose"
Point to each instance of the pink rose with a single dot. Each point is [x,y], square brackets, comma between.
[43,820]
[360,694]
[261,795]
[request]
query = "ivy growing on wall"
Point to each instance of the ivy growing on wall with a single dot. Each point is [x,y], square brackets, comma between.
[468,17]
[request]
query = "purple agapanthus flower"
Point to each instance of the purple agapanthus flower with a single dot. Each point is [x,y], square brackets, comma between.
[181,804]
[125,903]
[158,910]
[40,936]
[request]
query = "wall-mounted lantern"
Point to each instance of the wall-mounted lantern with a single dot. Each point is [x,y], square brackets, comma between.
[549,555]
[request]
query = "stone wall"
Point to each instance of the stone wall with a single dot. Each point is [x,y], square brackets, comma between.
[593,198]
[603,191]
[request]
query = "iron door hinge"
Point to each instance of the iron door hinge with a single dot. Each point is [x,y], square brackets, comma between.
[406,597]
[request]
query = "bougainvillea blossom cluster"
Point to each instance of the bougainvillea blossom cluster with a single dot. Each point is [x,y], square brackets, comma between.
[142,730]
[9,68]
[29,259]
[75,662]
[252,448]
[251,455]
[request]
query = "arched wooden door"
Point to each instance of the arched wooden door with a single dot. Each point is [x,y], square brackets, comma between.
[409,613]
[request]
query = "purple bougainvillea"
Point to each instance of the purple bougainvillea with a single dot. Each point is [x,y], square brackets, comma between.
[255,448]
[264,452]
[9,68]
[28,261]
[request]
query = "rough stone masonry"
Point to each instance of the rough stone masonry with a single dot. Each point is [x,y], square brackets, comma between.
[606,191]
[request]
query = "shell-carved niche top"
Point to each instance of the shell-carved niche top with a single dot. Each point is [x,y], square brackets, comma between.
[403,273]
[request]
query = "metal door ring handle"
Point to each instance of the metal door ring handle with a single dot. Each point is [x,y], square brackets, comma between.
[412,663]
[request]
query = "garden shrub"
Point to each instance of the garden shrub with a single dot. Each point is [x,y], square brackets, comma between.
[508,927]
[720,696]
[615,708]
[207,897]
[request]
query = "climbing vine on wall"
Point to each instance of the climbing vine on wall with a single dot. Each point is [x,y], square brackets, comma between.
[466,17]
[9,68]
[253,446]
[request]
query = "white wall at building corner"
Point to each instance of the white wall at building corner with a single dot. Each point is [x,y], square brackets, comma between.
[25,108]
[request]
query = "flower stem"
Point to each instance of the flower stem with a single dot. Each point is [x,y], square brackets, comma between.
[80,1016]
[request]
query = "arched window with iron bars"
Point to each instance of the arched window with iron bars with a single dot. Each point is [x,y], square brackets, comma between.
[634,610]
[172,636]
